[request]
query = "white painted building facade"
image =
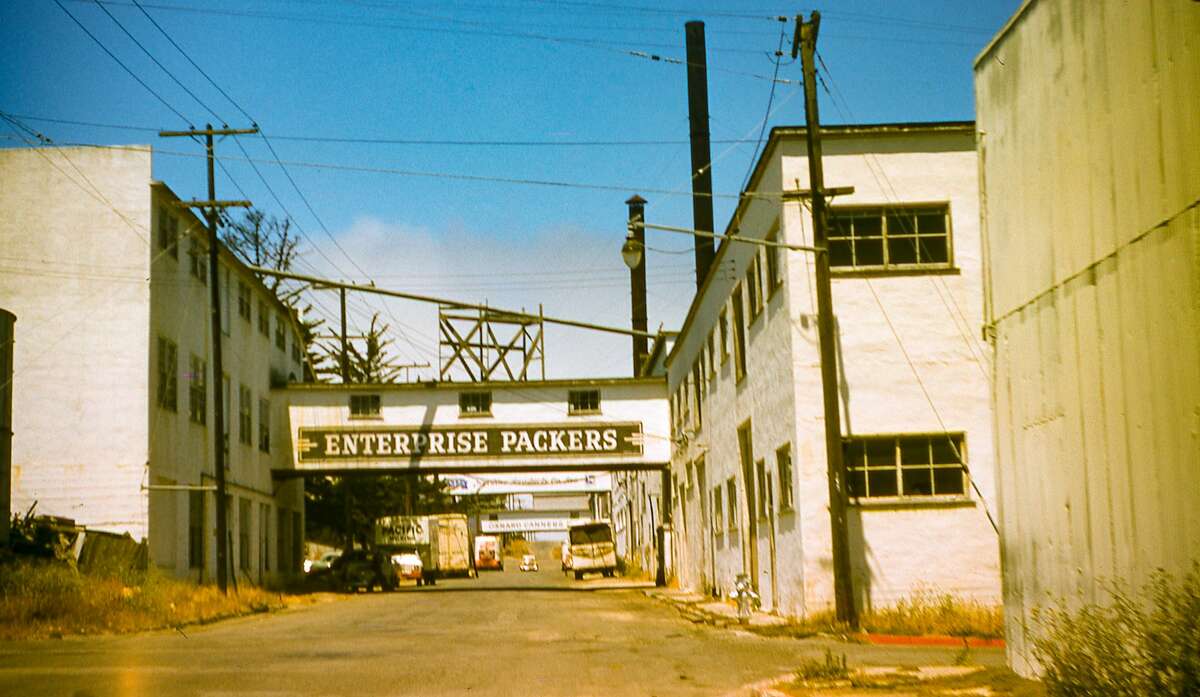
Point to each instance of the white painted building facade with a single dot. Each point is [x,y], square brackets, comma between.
[113,393]
[749,470]
[1087,112]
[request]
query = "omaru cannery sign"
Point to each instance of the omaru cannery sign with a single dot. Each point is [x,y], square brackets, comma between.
[527,441]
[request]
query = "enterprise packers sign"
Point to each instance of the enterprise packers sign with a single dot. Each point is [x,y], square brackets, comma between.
[527,441]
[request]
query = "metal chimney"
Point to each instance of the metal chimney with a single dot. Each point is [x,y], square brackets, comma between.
[637,283]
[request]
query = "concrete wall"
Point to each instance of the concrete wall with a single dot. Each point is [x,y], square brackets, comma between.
[181,451]
[898,546]
[75,247]
[1088,142]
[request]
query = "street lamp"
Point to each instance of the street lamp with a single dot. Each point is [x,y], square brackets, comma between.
[632,250]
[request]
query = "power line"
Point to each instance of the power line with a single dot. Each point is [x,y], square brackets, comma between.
[156,61]
[381,140]
[112,55]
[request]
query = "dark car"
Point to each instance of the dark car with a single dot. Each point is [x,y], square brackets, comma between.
[359,568]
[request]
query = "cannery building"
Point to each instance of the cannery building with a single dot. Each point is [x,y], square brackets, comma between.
[112,385]
[748,472]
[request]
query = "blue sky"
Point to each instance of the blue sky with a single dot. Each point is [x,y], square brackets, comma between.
[524,71]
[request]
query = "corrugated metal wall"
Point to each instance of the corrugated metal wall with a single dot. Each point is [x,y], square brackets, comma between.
[1089,119]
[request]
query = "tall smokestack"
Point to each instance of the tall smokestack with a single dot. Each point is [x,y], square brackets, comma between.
[637,283]
[702,205]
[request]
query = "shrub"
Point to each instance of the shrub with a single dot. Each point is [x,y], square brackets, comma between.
[830,668]
[1144,642]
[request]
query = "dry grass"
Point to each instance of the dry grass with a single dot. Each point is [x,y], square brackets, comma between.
[924,613]
[997,682]
[47,600]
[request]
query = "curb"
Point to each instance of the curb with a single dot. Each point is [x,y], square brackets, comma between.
[929,640]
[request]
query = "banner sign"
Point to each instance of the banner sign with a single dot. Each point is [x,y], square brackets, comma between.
[554,482]
[527,525]
[581,440]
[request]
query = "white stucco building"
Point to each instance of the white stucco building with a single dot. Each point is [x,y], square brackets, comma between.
[1089,135]
[113,392]
[750,492]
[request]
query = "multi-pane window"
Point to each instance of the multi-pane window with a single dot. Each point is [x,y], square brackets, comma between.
[892,237]
[783,463]
[718,507]
[197,260]
[168,232]
[197,390]
[698,393]
[168,374]
[280,333]
[195,529]
[264,425]
[243,291]
[739,334]
[760,473]
[245,409]
[244,534]
[712,358]
[774,271]
[918,465]
[583,402]
[264,319]
[731,507]
[754,288]
[365,405]
[475,403]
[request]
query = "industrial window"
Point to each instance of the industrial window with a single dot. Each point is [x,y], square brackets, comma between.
[774,272]
[732,507]
[168,232]
[475,404]
[718,517]
[905,466]
[264,320]
[195,529]
[243,301]
[264,537]
[723,323]
[365,405]
[280,333]
[739,334]
[297,355]
[890,238]
[197,260]
[244,523]
[245,409]
[264,425]
[197,390]
[783,463]
[712,358]
[583,402]
[754,288]
[168,374]
[698,392]
[760,473]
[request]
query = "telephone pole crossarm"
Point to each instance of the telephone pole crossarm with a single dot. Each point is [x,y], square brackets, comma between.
[212,204]
[209,132]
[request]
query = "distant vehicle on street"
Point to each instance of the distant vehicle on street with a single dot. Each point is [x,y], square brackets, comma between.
[361,569]
[487,553]
[592,549]
[441,541]
[529,563]
[312,565]
[408,566]
[565,556]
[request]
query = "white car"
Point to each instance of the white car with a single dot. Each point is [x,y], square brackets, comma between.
[322,564]
[408,566]
[529,563]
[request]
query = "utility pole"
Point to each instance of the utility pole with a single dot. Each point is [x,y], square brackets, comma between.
[702,200]
[210,208]
[805,42]
[637,283]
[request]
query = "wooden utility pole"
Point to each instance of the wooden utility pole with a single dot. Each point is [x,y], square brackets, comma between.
[805,42]
[637,283]
[210,208]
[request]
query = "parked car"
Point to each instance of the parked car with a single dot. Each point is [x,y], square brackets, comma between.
[566,557]
[529,563]
[361,569]
[408,566]
[327,559]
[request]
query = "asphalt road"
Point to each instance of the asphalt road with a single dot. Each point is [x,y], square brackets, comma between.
[505,633]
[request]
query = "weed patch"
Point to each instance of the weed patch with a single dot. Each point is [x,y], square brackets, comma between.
[40,599]
[1144,642]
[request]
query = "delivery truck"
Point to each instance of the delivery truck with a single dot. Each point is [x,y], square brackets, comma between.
[441,541]
[488,554]
[592,549]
